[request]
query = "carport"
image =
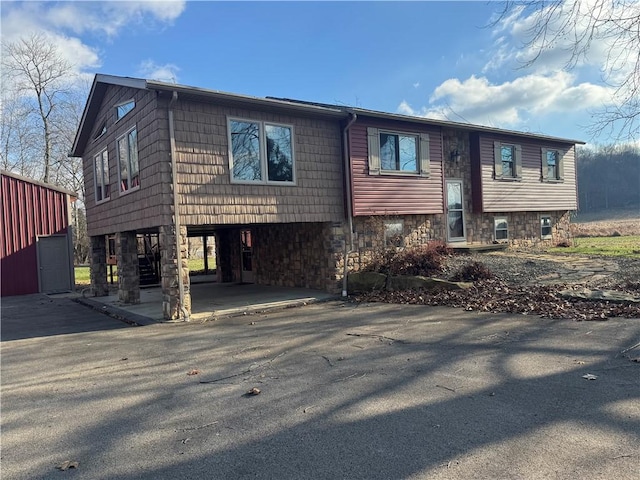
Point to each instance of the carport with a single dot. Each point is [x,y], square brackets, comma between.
[209,300]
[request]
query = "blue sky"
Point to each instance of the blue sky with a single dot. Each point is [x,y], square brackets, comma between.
[438,59]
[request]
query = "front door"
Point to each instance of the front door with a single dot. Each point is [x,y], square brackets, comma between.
[455,211]
[246,256]
[53,264]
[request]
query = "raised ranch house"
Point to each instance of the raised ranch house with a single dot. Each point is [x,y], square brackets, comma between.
[291,189]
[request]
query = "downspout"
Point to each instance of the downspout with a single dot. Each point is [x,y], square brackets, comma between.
[176,204]
[348,248]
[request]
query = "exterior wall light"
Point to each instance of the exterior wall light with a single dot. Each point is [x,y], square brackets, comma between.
[455,156]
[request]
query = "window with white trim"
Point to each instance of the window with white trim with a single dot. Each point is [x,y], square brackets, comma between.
[545,227]
[261,152]
[501,229]
[552,165]
[128,166]
[101,176]
[394,233]
[507,161]
[397,153]
[123,108]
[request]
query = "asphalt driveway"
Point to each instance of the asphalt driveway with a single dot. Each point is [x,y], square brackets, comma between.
[346,391]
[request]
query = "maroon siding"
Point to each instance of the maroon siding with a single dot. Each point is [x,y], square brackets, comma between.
[530,194]
[28,210]
[394,194]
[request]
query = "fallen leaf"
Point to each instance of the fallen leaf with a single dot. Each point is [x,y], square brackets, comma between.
[254,391]
[589,376]
[66,465]
[193,372]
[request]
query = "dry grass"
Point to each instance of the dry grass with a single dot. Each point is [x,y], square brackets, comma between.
[607,228]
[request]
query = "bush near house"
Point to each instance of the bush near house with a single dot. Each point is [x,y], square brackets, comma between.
[425,260]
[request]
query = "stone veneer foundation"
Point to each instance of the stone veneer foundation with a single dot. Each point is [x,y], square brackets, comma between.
[173,271]
[128,267]
[98,268]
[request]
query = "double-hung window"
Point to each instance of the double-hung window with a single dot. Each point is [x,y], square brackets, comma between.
[552,165]
[507,161]
[101,176]
[261,152]
[501,230]
[545,227]
[128,161]
[396,153]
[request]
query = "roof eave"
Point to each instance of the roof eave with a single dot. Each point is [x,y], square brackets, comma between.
[461,126]
[238,98]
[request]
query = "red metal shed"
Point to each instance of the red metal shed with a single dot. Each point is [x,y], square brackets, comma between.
[35,237]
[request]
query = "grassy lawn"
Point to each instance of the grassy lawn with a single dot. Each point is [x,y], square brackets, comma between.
[628,246]
[197,264]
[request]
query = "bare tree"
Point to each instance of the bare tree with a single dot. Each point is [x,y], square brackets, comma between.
[582,29]
[37,71]
[42,103]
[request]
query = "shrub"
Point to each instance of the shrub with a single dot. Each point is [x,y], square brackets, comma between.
[425,260]
[472,272]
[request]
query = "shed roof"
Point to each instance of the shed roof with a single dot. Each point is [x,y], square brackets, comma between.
[5,173]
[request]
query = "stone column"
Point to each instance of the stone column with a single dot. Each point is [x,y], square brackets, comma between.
[98,269]
[128,267]
[173,271]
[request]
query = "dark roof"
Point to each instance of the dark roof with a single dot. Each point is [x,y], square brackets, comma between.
[101,83]
[436,122]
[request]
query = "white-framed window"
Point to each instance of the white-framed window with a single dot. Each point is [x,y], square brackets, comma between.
[261,152]
[507,161]
[546,231]
[552,165]
[101,176]
[123,108]
[394,233]
[128,166]
[398,153]
[501,229]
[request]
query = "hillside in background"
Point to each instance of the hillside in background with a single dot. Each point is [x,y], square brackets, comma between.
[608,179]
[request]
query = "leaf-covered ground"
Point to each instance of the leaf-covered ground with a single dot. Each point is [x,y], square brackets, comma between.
[514,290]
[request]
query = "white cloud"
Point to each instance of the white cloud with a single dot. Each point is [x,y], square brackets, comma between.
[63,23]
[510,104]
[163,73]
[575,35]
[416,84]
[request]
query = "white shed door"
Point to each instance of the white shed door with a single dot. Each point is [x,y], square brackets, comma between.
[54,265]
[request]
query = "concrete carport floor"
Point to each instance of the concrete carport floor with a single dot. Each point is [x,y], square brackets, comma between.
[209,300]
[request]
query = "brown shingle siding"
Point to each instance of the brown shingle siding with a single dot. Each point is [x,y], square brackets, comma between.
[204,176]
[148,206]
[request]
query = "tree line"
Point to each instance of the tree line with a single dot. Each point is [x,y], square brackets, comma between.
[608,178]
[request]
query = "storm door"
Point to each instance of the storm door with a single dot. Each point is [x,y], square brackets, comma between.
[455,211]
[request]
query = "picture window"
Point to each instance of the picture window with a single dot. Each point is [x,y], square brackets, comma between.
[261,152]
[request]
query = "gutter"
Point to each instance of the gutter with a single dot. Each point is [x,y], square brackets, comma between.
[176,203]
[348,248]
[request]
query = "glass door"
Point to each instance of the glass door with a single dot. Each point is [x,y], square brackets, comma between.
[246,257]
[455,211]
